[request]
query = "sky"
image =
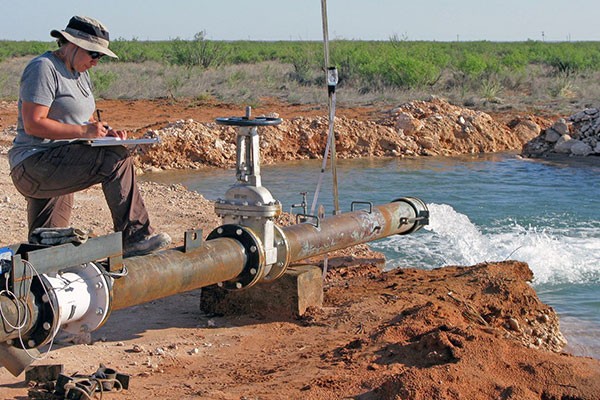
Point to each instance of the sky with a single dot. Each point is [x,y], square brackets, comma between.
[439,20]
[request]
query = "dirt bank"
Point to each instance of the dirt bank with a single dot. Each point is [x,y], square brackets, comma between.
[477,332]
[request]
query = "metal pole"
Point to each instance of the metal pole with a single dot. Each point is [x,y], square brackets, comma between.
[325,32]
[336,201]
[331,106]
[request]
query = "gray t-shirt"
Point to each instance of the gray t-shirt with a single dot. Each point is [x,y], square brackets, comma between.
[47,81]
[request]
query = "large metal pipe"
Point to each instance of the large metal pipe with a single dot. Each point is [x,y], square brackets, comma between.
[170,272]
[349,229]
[163,274]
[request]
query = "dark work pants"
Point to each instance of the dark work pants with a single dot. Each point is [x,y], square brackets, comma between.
[49,179]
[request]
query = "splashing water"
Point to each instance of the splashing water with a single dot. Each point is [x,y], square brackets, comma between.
[555,256]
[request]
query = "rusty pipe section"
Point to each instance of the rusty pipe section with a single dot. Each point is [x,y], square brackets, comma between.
[402,216]
[32,322]
[171,272]
[224,259]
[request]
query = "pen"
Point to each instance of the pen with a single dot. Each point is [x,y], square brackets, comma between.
[98,111]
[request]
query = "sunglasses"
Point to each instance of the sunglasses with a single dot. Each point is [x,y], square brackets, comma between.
[95,55]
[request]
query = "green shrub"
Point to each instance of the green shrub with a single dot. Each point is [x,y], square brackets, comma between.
[102,81]
[196,53]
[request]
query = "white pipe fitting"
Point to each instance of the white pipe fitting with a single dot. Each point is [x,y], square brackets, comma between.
[79,298]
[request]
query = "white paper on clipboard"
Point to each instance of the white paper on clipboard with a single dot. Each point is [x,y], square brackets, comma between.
[113,141]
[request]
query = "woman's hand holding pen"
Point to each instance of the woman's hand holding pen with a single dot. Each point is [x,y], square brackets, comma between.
[94,130]
[99,129]
[119,134]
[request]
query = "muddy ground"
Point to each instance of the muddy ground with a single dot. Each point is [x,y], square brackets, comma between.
[462,332]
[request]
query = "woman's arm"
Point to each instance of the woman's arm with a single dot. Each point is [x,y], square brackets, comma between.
[37,123]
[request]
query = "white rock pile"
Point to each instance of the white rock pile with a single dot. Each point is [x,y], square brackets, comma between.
[579,135]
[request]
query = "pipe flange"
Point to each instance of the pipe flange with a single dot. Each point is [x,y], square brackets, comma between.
[283,256]
[99,288]
[255,255]
[46,325]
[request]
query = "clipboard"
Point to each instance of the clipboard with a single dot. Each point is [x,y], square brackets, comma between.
[113,141]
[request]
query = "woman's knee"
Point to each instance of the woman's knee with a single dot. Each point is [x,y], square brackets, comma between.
[116,159]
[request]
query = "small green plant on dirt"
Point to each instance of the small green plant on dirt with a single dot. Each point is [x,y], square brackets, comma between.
[269,75]
[491,90]
[563,87]
[3,80]
[204,97]
[303,64]
[173,84]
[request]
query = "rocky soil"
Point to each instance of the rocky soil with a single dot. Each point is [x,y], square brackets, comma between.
[418,128]
[577,135]
[459,332]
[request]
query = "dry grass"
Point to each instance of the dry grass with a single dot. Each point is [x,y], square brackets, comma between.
[532,90]
[10,74]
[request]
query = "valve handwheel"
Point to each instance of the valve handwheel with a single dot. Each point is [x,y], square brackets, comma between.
[248,120]
[243,121]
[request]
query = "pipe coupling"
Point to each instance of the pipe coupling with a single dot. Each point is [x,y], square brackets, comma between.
[254,269]
[76,299]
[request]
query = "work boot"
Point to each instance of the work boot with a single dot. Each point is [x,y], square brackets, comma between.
[147,245]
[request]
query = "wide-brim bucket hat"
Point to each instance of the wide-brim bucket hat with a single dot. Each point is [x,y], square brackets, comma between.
[87,33]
